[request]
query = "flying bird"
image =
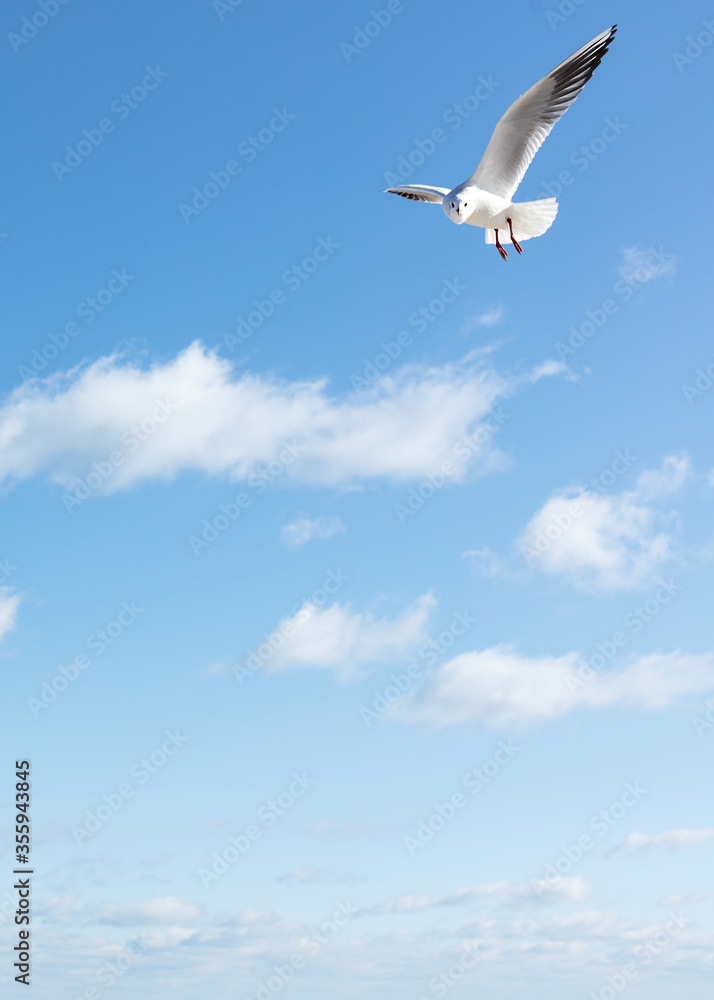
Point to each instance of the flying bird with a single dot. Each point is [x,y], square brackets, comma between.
[485,199]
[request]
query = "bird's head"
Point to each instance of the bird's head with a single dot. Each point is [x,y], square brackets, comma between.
[458,207]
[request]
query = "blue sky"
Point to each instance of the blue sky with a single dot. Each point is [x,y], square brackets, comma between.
[407,590]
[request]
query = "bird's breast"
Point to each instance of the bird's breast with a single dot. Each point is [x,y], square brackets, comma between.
[487,207]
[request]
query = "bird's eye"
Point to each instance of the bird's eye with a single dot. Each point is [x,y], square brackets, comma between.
[453,205]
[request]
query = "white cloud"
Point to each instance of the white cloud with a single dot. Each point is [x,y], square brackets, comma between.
[345,831]
[574,889]
[309,875]
[490,564]
[640,266]
[675,899]
[489,317]
[223,421]
[501,687]
[167,910]
[235,950]
[605,542]
[666,481]
[548,368]
[303,529]
[9,603]
[671,840]
[337,639]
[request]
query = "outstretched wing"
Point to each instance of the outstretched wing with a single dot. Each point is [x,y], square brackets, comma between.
[419,192]
[520,133]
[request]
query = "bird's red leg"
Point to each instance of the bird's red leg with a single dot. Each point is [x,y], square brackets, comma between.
[514,241]
[499,247]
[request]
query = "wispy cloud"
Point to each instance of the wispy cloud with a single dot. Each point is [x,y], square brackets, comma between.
[9,603]
[303,529]
[671,840]
[487,562]
[343,831]
[573,889]
[309,875]
[667,480]
[166,910]
[643,265]
[500,687]
[489,317]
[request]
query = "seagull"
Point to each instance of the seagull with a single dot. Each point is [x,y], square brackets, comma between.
[485,199]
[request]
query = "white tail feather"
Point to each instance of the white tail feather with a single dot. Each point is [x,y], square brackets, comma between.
[530,218]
